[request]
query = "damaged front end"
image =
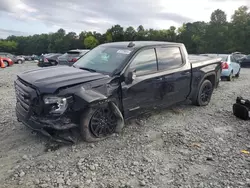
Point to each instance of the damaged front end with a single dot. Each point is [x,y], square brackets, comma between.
[55,115]
[46,115]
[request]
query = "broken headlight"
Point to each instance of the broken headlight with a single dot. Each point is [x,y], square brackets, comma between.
[58,104]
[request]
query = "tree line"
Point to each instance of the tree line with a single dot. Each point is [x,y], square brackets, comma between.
[216,36]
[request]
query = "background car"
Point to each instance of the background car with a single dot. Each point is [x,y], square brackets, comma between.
[230,66]
[238,55]
[70,57]
[48,60]
[245,61]
[5,62]
[15,59]
[27,58]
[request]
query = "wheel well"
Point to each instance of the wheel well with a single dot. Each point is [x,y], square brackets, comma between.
[6,61]
[212,79]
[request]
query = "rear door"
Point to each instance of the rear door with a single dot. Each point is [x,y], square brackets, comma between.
[176,74]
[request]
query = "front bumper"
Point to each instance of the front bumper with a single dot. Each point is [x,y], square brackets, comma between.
[47,126]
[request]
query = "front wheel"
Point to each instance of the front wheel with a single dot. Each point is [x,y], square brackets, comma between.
[204,93]
[237,75]
[19,61]
[99,123]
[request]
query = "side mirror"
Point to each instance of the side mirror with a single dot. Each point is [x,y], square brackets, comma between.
[130,76]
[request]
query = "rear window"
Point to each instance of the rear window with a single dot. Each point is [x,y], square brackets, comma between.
[169,58]
[49,55]
[53,55]
[224,58]
[71,54]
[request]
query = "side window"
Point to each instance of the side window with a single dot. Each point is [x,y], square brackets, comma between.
[144,62]
[232,59]
[169,57]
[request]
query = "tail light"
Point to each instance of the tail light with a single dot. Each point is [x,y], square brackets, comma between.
[224,65]
[45,60]
[73,60]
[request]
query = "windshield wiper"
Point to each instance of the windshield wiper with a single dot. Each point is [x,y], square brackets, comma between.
[87,69]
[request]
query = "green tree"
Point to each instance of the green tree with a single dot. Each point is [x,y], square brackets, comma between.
[117,33]
[90,42]
[8,46]
[129,34]
[218,17]
[240,30]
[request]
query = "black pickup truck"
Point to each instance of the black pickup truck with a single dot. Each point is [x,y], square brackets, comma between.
[111,83]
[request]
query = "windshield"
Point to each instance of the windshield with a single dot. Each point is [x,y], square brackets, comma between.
[103,59]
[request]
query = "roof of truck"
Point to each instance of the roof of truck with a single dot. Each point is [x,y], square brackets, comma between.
[137,44]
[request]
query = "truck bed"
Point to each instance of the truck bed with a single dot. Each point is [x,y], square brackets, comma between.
[197,60]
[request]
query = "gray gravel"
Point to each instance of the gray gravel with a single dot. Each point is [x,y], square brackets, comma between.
[182,147]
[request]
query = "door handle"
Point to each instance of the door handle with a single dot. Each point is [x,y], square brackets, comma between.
[185,73]
[159,79]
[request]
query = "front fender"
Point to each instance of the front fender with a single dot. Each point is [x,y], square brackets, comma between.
[90,95]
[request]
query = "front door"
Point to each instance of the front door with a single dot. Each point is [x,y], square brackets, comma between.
[142,93]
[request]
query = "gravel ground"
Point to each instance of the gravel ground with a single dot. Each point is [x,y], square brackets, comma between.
[185,146]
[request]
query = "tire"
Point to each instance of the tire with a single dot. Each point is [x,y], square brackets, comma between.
[6,64]
[91,120]
[19,61]
[237,75]
[204,94]
[230,77]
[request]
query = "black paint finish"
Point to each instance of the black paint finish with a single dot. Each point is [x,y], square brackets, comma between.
[92,89]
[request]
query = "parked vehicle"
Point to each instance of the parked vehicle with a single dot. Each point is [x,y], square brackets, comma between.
[48,60]
[5,62]
[245,61]
[27,58]
[70,57]
[230,66]
[15,59]
[111,83]
[238,55]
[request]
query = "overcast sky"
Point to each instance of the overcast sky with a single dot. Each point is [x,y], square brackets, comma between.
[24,17]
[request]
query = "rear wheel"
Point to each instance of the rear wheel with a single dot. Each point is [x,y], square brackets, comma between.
[6,64]
[204,94]
[98,124]
[230,77]
[237,75]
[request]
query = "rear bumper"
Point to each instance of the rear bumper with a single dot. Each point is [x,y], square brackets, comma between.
[225,72]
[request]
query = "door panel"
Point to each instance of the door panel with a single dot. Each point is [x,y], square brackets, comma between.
[177,87]
[176,76]
[140,94]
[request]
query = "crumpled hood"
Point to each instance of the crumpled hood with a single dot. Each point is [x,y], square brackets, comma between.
[48,80]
